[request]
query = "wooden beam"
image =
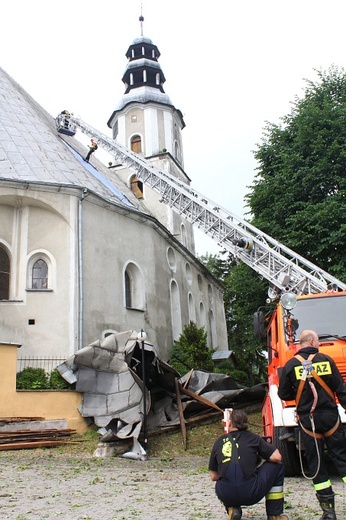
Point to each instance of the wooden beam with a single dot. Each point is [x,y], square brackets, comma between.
[181,413]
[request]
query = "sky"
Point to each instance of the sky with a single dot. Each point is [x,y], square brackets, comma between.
[230,67]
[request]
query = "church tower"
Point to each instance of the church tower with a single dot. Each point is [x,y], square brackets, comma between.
[146,122]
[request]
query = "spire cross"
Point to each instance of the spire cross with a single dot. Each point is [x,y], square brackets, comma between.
[141,19]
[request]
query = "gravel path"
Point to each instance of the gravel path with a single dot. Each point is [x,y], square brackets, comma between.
[46,484]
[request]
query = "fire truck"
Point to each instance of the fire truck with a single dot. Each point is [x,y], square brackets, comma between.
[305,296]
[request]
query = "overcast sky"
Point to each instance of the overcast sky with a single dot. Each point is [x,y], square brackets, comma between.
[230,66]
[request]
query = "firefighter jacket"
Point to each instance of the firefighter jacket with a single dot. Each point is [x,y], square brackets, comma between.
[324,367]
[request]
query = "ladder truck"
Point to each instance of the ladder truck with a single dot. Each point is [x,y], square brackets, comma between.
[305,296]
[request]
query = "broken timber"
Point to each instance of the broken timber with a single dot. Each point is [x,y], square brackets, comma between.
[181,414]
[29,439]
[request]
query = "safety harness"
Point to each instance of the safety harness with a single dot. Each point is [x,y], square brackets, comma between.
[309,373]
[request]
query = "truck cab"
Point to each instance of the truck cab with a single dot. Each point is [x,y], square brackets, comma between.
[324,313]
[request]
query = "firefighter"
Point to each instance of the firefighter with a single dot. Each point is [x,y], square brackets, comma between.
[92,148]
[312,379]
[233,464]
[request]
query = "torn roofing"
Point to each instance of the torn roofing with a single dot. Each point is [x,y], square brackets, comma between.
[32,150]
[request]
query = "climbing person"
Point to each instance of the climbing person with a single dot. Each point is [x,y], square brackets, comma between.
[312,379]
[240,480]
[92,148]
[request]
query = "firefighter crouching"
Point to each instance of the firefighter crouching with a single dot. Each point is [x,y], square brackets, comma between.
[234,466]
[312,379]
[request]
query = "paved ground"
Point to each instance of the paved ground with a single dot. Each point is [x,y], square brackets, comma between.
[45,484]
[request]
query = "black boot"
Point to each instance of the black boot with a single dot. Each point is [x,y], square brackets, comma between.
[327,506]
[234,513]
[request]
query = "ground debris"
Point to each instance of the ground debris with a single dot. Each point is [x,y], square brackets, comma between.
[32,438]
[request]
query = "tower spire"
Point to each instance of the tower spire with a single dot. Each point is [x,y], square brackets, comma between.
[141,19]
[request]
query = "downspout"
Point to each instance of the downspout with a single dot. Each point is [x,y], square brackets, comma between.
[80,270]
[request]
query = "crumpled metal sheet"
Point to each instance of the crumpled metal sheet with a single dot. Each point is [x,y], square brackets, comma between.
[110,388]
[109,372]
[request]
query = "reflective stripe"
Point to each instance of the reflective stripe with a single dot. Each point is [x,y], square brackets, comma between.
[344,479]
[323,485]
[275,496]
[276,489]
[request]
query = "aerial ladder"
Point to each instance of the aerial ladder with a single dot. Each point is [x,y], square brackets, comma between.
[309,297]
[285,270]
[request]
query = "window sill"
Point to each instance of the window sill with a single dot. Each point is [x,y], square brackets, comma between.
[39,290]
[134,309]
[11,301]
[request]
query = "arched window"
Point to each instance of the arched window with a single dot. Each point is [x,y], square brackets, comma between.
[136,187]
[192,309]
[213,334]
[134,287]
[41,271]
[176,311]
[202,319]
[136,144]
[4,274]
[39,275]
[183,235]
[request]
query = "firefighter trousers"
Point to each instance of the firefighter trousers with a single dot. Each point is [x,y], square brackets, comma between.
[268,480]
[314,448]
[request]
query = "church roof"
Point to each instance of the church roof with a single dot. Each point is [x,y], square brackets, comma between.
[31,149]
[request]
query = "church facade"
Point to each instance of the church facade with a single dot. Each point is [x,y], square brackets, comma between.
[85,248]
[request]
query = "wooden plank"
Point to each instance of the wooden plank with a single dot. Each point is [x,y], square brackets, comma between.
[6,420]
[200,398]
[31,445]
[188,377]
[181,414]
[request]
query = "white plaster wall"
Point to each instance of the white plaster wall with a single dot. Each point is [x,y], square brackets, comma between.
[38,225]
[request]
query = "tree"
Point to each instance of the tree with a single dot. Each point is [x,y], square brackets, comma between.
[244,292]
[299,193]
[192,351]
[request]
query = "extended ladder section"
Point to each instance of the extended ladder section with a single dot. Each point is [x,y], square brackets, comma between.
[283,268]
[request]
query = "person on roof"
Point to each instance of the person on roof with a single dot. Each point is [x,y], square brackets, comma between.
[233,464]
[92,148]
[312,379]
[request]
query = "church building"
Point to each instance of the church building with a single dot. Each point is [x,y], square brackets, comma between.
[85,248]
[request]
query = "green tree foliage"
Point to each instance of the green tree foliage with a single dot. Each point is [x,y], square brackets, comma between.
[298,196]
[191,351]
[244,292]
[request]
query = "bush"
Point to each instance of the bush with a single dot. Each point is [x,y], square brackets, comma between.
[57,382]
[32,379]
[37,379]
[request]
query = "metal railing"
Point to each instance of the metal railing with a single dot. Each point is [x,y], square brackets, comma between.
[47,363]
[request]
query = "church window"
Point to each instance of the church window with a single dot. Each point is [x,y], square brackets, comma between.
[175,310]
[183,235]
[134,287]
[41,271]
[39,275]
[192,309]
[136,187]
[213,334]
[4,275]
[136,144]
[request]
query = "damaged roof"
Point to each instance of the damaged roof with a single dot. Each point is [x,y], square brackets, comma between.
[32,150]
